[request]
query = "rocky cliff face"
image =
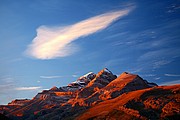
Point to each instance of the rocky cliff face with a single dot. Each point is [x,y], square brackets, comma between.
[100,96]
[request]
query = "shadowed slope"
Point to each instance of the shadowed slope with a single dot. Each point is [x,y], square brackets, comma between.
[152,103]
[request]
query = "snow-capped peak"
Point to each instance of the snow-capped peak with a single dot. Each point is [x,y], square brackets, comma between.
[89,73]
[87,77]
[106,70]
[83,80]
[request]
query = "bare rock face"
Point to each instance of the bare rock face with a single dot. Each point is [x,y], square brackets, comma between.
[100,96]
[161,102]
[103,78]
[111,87]
[126,82]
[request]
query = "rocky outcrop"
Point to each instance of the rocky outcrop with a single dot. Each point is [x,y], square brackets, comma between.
[19,102]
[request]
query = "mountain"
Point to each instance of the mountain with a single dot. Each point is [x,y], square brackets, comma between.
[100,96]
[152,103]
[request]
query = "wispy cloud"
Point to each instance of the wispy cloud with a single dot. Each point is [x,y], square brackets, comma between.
[157,78]
[135,70]
[53,42]
[7,84]
[160,63]
[157,58]
[74,75]
[50,77]
[16,60]
[172,75]
[158,54]
[171,82]
[113,62]
[149,75]
[5,88]
[28,88]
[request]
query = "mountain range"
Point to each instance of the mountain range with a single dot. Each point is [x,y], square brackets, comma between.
[101,96]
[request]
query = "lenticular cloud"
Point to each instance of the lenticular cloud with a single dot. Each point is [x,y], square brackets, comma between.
[54,42]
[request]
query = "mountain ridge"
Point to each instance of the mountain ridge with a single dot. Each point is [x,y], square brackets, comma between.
[79,99]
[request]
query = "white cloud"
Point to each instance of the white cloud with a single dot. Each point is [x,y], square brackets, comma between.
[157,78]
[172,75]
[28,88]
[113,62]
[160,63]
[53,42]
[50,77]
[171,82]
[149,75]
[160,57]
[5,88]
[7,84]
[135,70]
[74,75]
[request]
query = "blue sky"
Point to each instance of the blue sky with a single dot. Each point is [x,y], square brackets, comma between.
[46,43]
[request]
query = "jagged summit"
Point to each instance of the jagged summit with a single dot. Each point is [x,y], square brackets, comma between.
[86,78]
[107,70]
[81,81]
[54,88]
[87,74]
[125,73]
[103,77]
[126,96]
